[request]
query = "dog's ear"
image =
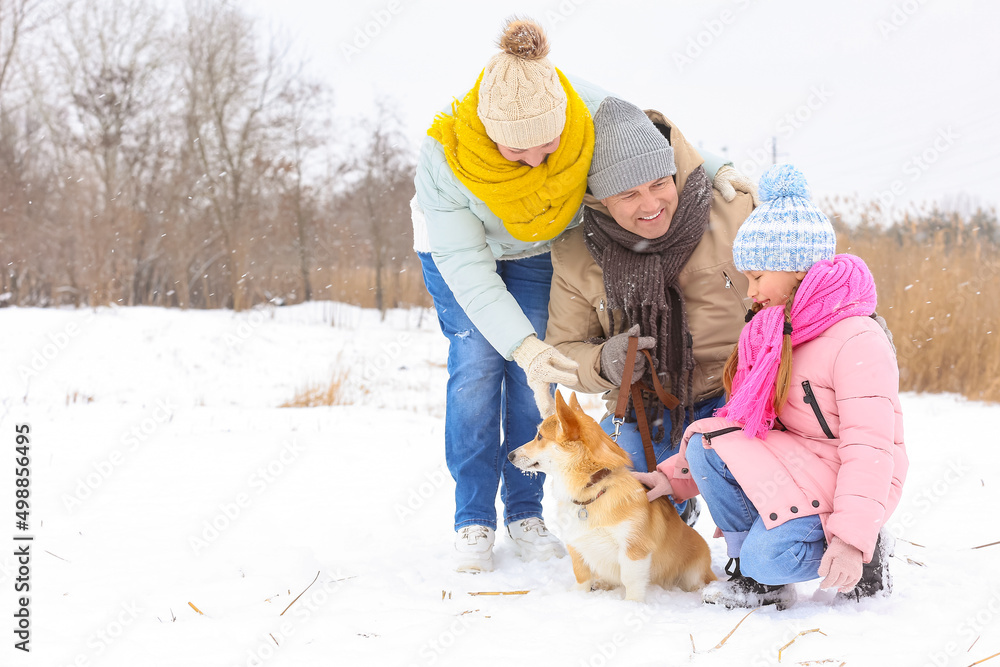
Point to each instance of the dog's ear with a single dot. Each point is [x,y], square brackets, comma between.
[574,403]
[569,425]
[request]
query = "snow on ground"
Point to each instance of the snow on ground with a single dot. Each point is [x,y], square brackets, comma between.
[164,478]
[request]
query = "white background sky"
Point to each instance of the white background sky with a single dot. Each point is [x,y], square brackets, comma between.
[863,95]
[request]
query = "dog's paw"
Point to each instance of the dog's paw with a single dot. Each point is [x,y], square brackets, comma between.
[635,596]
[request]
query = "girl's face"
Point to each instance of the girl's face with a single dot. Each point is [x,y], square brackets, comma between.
[772,288]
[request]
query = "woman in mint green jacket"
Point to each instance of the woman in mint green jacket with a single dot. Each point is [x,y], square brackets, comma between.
[501,175]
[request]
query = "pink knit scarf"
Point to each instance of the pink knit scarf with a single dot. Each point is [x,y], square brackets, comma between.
[831,290]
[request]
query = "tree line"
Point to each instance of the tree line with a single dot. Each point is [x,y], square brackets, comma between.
[155,154]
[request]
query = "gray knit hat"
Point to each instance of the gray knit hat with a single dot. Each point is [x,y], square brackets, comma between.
[628,150]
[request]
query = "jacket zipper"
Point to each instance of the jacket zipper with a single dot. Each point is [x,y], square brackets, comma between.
[810,399]
[729,285]
[722,431]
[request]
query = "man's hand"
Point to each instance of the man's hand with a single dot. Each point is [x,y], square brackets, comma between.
[613,356]
[728,181]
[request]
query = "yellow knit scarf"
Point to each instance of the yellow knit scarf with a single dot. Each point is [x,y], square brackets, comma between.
[534,203]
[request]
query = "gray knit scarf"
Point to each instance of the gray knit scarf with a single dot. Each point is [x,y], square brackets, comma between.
[640,279]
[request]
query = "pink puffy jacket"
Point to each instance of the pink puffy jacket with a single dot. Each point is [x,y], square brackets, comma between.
[841,455]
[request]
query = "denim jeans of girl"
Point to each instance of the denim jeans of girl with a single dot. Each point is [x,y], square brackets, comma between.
[785,554]
[490,410]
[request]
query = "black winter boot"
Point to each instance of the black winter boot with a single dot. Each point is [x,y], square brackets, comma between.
[691,511]
[742,591]
[875,578]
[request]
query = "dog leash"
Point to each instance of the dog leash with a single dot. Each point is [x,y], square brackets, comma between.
[635,391]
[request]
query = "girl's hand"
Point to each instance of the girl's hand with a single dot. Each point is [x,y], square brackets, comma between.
[841,566]
[656,482]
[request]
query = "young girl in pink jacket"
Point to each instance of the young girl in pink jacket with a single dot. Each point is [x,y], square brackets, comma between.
[805,463]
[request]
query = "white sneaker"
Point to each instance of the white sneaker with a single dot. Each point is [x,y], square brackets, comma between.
[533,541]
[474,549]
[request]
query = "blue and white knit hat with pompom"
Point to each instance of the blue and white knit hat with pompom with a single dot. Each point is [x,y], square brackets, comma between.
[787,232]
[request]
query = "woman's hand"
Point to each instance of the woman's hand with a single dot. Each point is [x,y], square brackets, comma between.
[543,365]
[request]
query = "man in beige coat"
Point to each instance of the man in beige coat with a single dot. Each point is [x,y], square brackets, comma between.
[654,258]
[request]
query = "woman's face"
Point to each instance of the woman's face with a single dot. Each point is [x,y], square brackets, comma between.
[529,156]
[772,288]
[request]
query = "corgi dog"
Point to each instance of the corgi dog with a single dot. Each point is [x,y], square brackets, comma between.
[614,535]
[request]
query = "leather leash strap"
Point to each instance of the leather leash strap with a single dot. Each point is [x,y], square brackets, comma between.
[633,346]
[635,391]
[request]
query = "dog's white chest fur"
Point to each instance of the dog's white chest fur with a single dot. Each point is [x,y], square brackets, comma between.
[601,547]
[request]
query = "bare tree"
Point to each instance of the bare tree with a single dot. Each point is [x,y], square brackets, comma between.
[18,164]
[113,80]
[15,21]
[149,156]
[381,191]
[306,133]
[232,96]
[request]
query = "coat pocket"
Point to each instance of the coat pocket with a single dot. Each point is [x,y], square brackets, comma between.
[810,399]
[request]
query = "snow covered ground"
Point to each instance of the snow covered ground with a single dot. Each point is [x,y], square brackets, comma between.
[164,478]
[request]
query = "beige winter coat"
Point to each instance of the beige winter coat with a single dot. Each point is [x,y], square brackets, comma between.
[714,291]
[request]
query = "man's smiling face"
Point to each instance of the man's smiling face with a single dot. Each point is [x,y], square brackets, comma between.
[646,210]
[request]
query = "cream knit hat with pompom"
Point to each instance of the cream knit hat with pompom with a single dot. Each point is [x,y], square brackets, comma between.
[522,104]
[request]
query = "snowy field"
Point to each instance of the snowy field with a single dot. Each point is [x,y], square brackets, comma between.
[167,481]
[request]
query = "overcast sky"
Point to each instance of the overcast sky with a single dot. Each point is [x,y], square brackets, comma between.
[895,99]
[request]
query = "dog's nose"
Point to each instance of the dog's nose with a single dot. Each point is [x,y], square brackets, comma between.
[510,457]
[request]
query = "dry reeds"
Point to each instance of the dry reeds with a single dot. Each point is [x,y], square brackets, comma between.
[936,277]
[333,393]
[402,288]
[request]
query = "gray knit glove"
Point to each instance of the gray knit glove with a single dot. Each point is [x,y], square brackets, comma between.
[728,182]
[613,356]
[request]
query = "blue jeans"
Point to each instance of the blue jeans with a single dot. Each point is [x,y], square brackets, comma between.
[490,410]
[630,439]
[785,554]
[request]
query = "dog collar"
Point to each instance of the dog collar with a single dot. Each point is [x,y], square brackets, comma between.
[594,479]
[587,502]
[583,513]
